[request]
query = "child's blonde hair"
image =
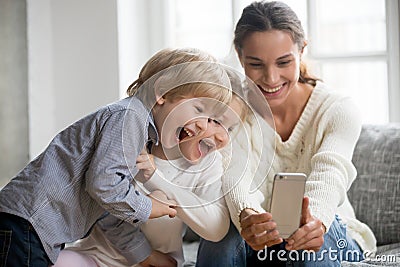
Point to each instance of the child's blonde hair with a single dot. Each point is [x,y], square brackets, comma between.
[238,93]
[183,73]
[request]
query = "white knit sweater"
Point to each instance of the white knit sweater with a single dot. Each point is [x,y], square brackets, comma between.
[321,146]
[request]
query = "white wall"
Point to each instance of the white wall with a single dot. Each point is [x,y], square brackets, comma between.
[41,77]
[73,63]
[84,54]
[13,88]
[80,55]
[143,28]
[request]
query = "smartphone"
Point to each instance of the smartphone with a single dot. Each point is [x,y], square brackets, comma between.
[286,202]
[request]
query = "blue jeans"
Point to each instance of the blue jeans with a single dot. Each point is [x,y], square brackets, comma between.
[234,251]
[20,245]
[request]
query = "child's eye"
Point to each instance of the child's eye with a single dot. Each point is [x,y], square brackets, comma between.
[199,109]
[214,121]
[232,128]
[217,122]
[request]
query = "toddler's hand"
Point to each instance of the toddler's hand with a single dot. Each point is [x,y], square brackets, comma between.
[146,166]
[161,205]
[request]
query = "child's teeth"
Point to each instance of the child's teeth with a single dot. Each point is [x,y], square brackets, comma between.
[188,133]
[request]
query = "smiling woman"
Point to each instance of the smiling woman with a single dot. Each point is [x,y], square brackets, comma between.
[316,130]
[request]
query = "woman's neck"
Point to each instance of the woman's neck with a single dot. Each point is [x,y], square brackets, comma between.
[288,113]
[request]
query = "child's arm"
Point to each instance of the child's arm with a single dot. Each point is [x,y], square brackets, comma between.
[203,210]
[126,240]
[108,178]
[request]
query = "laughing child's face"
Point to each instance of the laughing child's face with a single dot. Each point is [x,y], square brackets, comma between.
[216,135]
[183,119]
[193,128]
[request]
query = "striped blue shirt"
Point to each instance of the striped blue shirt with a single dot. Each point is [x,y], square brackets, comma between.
[84,173]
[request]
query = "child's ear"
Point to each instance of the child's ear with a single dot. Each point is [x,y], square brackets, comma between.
[158,91]
[160,100]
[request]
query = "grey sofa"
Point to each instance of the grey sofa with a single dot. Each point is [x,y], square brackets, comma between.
[375,194]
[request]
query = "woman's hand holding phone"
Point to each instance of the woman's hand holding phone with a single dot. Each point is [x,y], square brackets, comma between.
[299,228]
[258,229]
[310,235]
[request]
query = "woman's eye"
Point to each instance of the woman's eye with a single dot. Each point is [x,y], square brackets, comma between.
[284,63]
[255,65]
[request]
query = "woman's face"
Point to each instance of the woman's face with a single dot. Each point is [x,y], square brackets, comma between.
[272,60]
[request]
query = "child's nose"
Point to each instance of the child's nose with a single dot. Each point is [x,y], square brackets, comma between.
[202,124]
[221,136]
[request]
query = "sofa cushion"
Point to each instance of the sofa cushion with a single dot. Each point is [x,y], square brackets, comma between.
[375,194]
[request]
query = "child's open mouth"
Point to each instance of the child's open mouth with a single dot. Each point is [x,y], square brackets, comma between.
[183,133]
[206,146]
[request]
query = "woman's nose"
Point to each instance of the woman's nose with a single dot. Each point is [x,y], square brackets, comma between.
[271,75]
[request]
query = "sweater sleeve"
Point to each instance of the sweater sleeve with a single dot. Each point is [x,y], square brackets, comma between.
[240,179]
[332,171]
[203,210]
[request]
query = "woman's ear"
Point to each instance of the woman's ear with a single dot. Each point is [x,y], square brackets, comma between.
[304,46]
[239,55]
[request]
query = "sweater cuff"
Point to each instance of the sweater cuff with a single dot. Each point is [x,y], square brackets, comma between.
[156,182]
[242,206]
[326,220]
